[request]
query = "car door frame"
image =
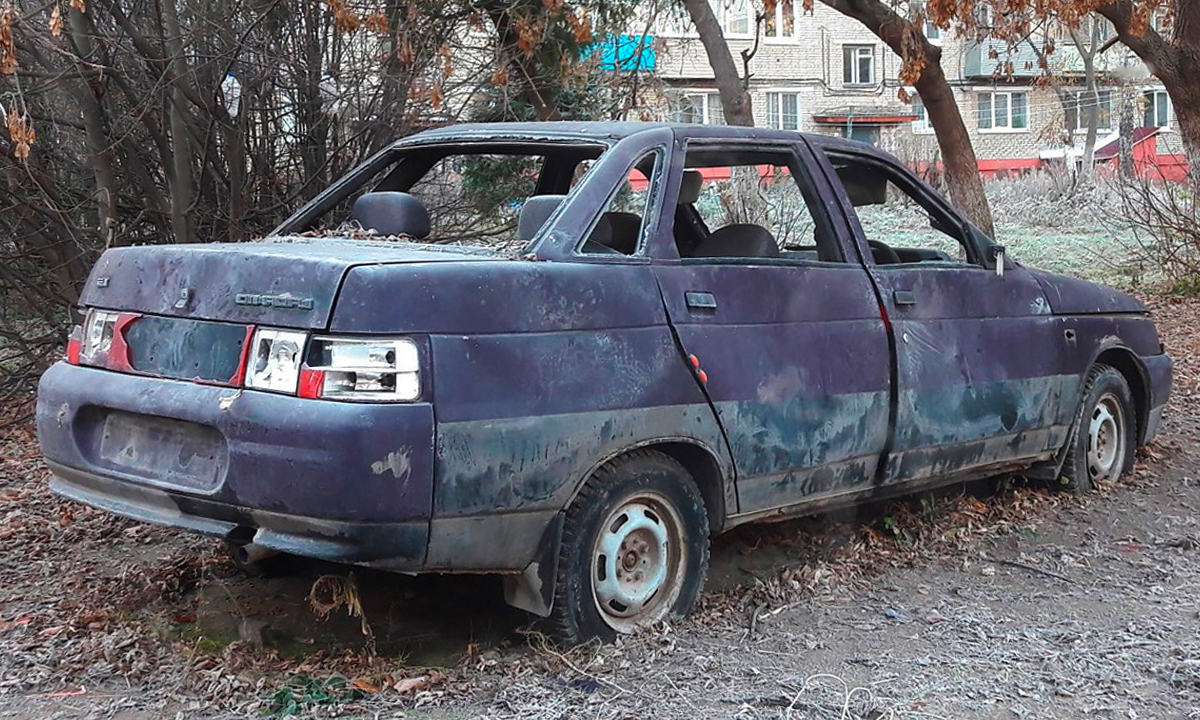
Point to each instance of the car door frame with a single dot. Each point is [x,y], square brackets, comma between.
[1036,430]
[812,483]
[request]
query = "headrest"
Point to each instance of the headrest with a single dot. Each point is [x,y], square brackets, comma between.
[619,231]
[738,241]
[391,213]
[689,187]
[534,214]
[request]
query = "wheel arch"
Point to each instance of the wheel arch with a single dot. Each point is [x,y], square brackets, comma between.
[1126,362]
[712,477]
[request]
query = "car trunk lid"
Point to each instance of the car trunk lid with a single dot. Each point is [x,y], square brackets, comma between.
[283,282]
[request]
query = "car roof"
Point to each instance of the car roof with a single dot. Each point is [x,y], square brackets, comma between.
[613,131]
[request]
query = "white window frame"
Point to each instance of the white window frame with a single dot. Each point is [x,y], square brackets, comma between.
[920,126]
[1080,101]
[932,32]
[725,10]
[1153,103]
[1158,21]
[710,104]
[777,94]
[1008,113]
[780,13]
[859,51]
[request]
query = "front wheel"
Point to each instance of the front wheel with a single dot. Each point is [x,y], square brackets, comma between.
[1104,439]
[634,549]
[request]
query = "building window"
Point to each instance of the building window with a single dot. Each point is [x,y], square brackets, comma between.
[783,110]
[858,64]
[698,108]
[1077,105]
[921,124]
[917,13]
[782,22]
[985,17]
[734,16]
[1162,22]
[933,33]
[1159,110]
[1003,110]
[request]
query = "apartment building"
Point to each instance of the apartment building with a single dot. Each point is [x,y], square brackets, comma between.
[823,72]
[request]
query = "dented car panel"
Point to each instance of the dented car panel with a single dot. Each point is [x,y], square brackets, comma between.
[360,466]
[782,384]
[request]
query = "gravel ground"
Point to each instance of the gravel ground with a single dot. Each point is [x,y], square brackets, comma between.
[991,601]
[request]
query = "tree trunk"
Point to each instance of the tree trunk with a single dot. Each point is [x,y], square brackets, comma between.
[181,146]
[1091,96]
[1128,109]
[735,98]
[954,142]
[958,155]
[96,123]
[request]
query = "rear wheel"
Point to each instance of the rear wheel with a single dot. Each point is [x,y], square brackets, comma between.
[634,549]
[1105,432]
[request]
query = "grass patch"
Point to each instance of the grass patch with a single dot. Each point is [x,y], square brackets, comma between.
[301,693]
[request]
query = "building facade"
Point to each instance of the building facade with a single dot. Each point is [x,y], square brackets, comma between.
[821,71]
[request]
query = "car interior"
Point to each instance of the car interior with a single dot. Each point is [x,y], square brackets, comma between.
[394,207]
[868,185]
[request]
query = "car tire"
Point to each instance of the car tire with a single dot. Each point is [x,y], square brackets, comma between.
[1104,439]
[634,549]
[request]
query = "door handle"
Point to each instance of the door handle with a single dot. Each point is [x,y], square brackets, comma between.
[904,298]
[700,300]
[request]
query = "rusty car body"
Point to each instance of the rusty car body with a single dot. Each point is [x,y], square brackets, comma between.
[582,413]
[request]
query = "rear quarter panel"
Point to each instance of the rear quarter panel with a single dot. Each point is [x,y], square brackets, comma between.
[541,372]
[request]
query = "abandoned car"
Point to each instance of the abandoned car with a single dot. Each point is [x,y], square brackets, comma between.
[569,353]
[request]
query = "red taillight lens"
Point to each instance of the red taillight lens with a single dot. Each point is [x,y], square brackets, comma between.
[102,340]
[312,382]
[74,343]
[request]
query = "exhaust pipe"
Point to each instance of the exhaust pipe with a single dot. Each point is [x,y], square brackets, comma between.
[250,553]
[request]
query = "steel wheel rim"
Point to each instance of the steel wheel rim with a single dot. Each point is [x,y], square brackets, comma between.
[1106,439]
[637,562]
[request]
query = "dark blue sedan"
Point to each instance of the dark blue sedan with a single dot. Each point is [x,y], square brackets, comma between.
[571,353]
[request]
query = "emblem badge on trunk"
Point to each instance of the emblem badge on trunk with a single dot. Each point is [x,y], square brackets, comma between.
[274,301]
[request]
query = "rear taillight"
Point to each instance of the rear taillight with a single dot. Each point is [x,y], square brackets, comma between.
[282,361]
[101,341]
[273,362]
[99,329]
[363,369]
[74,345]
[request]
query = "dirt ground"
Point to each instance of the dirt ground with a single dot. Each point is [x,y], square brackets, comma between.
[998,600]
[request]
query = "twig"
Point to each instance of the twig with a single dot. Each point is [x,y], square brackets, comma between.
[545,647]
[1035,569]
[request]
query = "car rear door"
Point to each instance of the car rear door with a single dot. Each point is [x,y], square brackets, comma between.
[791,348]
[975,349]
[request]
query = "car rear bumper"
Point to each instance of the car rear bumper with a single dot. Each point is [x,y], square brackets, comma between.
[390,546]
[215,459]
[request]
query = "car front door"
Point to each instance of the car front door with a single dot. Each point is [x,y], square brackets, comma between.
[975,349]
[783,327]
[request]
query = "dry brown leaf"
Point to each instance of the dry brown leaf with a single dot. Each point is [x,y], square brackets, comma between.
[365,686]
[56,21]
[413,684]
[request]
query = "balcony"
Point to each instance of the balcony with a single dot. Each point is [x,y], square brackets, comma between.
[989,58]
